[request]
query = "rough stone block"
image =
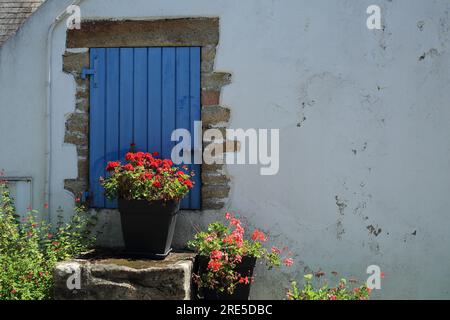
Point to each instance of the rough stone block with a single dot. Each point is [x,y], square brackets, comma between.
[113,277]
[215,191]
[215,115]
[76,186]
[215,80]
[74,62]
[210,97]
[133,33]
[209,178]
[213,204]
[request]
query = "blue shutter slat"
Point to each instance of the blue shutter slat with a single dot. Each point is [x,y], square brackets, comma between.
[112,110]
[168,100]
[141,95]
[182,112]
[126,101]
[140,99]
[97,129]
[154,99]
[194,83]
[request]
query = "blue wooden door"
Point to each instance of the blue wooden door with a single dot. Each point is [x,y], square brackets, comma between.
[140,95]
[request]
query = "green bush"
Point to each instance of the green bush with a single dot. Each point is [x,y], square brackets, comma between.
[323,292]
[29,249]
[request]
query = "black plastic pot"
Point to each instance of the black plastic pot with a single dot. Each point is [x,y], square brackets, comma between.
[148,227]
[241,292]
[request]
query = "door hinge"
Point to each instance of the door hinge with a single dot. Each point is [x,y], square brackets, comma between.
[85,72]
[85,196]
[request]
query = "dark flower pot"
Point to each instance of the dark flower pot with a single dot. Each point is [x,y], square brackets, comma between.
[148,226]
[241,292]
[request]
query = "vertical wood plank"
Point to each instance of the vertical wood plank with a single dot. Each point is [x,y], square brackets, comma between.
[97,128]
[182,112]
[154,100]
[112,111]
[168,100]
[140,99]
[126,101]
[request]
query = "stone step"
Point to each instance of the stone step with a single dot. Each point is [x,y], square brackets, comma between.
[109,276]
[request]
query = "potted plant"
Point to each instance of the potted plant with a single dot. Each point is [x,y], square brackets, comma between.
[226,260]
[149,190]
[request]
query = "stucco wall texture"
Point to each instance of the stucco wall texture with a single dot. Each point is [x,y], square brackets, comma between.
[363,117]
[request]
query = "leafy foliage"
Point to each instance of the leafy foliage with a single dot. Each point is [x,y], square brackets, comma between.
[29,250]
[323,292]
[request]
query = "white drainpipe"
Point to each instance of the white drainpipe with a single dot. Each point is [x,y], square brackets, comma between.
[48,113]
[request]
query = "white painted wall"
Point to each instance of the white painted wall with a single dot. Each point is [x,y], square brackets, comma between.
[374,142]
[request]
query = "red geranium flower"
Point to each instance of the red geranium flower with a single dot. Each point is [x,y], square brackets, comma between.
[156,153]
[129,156]
[188,183]
[128,167]
[148,176]
[156,184]
[112,165]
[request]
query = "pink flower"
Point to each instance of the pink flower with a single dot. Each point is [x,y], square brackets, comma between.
[216,254]
[332,297]
[288,262]
[229,239]
[227,216]
[258,235]
[214,265]
[235,222]
[244,280]
[238,258]
[276,250]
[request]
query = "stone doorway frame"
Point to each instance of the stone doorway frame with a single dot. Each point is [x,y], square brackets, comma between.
[201,32]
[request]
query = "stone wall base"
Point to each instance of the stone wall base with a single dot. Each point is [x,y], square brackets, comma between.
[111,277]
